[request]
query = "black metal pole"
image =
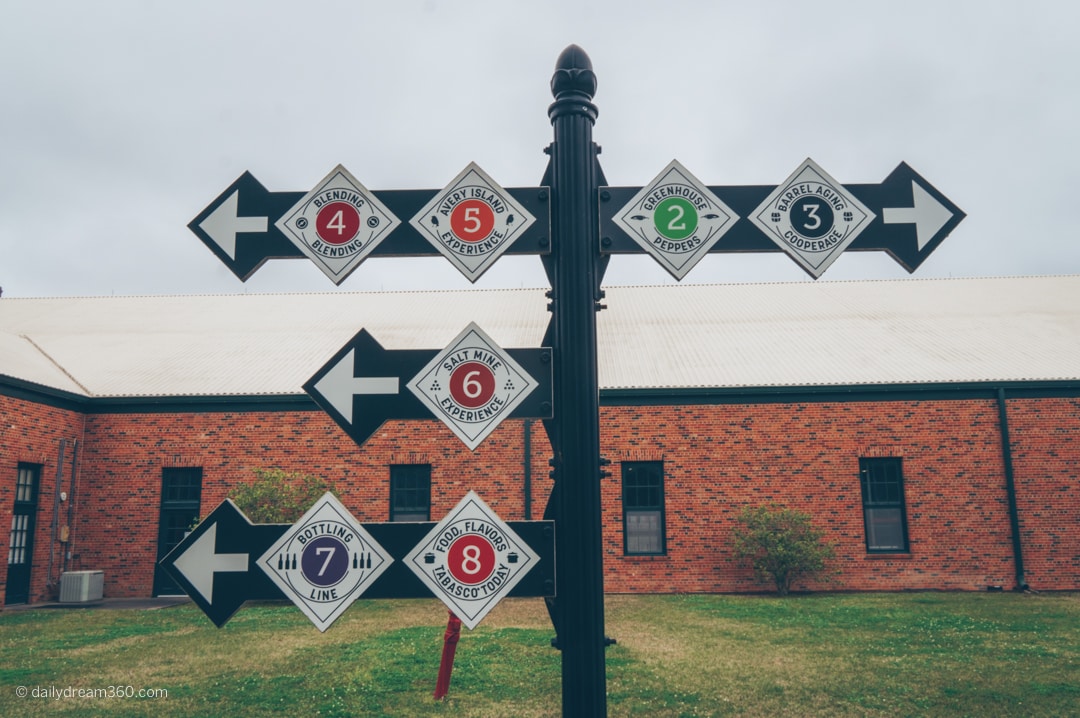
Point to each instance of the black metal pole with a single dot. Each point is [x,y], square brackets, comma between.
[576,272]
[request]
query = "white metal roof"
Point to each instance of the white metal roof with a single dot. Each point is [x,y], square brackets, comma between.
[741,335]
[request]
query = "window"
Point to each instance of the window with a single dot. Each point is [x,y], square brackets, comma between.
[410,492]
[882,484]
[643,508]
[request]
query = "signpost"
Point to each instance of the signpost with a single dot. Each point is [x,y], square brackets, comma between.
[472,385]
[227,561]
[575,221]
[904,216]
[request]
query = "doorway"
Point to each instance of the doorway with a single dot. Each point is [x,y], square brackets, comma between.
[21,538]
[181,492]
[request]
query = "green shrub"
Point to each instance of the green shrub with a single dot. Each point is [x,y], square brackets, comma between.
[277,496]
[781,545]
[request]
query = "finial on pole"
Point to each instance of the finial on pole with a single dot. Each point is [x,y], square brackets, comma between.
[573,73]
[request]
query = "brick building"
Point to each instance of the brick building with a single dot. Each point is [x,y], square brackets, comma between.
[931,427]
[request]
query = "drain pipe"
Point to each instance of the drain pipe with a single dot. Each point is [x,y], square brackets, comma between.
[66,539]
[1010,490]
[56,510]
[526,440]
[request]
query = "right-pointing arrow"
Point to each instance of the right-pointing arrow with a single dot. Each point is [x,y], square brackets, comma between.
[201,561]
[338,386]
[928,215]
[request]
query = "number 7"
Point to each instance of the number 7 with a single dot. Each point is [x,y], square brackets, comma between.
[329,550]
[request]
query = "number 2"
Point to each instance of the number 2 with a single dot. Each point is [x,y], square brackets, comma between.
[677,224]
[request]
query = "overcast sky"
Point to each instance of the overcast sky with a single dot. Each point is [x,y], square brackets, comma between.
[122,120]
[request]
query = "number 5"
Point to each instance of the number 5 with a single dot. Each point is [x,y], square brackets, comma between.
[472,220]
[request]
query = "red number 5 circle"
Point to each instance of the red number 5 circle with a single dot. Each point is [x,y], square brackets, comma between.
[471,559]
[472,220]
[472,384]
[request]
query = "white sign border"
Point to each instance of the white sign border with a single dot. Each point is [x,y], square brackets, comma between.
[421,223]
[472,506]
[773,231]
[475,439]
[665,259]
[375,237]
[328,502]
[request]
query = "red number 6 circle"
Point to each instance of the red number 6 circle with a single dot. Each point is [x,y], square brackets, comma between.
[472,384]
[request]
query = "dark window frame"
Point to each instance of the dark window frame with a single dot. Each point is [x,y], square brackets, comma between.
[881,481]
[643,498]
[407,482]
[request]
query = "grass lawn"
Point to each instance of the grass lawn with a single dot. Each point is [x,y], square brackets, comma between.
[909,654]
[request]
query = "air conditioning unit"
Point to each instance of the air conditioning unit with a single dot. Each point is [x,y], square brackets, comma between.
[81,586]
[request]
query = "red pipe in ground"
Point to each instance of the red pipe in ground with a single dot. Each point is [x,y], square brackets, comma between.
[446,666]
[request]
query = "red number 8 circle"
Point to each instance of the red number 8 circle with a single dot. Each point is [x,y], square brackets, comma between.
[471,559]
[472,385]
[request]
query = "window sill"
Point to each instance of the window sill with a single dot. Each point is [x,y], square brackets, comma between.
[886,555]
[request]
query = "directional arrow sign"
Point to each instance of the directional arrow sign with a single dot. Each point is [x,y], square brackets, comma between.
[239,228]
[215,563]
[364,385]
[811,215]
[242,226]
[915,216]
[218,564]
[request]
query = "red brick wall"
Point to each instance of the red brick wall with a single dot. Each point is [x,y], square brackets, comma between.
[126,454]
[31,433]
[1046,463]
[717,459]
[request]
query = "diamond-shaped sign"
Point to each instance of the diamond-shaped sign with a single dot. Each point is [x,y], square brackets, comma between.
[472,385]
[324,561]
[338,224]
[676,219]
[812,217]
[471,559]
[472,221]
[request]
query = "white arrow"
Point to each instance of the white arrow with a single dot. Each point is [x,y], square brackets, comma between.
[199,563]
[339,385]
[928,215]
[224,224]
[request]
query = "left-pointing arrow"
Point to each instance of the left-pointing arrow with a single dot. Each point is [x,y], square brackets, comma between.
[360,387]
[225,222]
[238,225]
[338,386]
[201,561]
[213,564]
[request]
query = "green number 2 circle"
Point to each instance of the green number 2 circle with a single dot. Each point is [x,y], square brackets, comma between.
[675,218]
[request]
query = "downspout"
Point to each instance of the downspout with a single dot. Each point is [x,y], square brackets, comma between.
[56,511]
[1010,490]
[527,468]
[66,540]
